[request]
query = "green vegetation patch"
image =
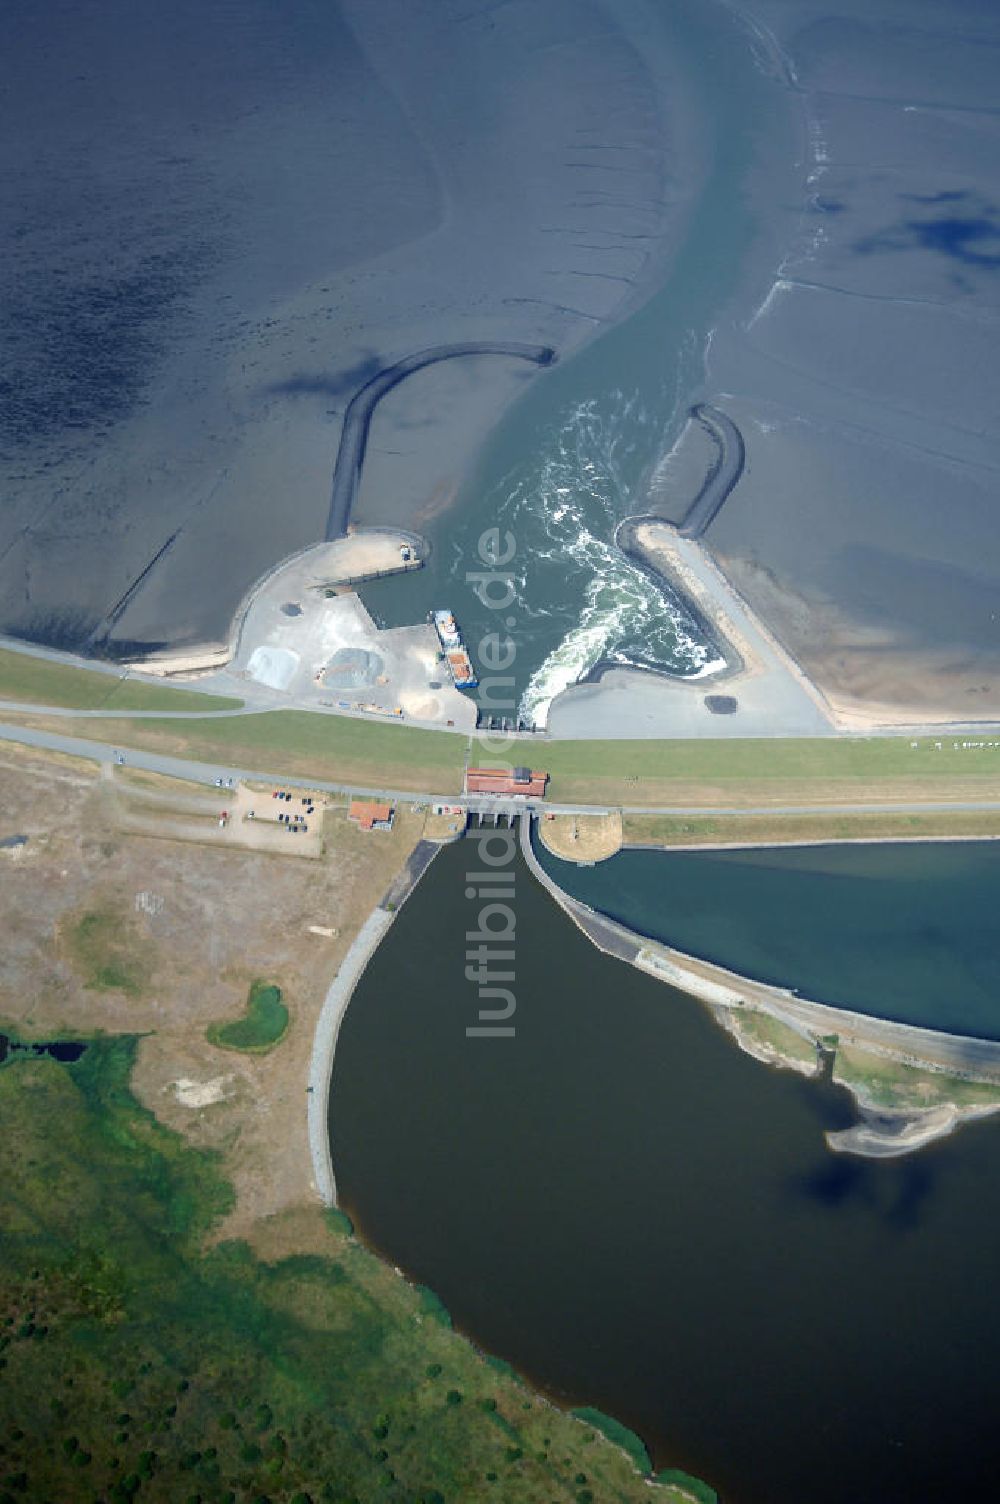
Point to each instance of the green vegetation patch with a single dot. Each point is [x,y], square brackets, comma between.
[107,951]
[777,759]
[690,1485]
[781,1037]
[885,1082]
[131,694]
[38,681]
[138,1362]
[261,1027]
[619,1434]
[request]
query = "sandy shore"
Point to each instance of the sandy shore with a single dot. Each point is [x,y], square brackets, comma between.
[883,1134]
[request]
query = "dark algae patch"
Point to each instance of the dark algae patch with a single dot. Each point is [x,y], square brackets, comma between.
[262,1026]
[138,1362]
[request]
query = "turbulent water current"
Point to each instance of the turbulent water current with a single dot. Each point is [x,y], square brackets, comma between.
[563,511]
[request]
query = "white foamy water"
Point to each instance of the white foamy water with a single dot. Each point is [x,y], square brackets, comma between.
[624,616]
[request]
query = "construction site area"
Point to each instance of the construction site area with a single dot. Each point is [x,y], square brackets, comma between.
[306,639]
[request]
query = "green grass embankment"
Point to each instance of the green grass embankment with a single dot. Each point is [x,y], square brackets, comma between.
[262,1026]
[772,1033]
[38,681]
[140,1362]
[770,828]
[778,771]
[606,774]
[295,744]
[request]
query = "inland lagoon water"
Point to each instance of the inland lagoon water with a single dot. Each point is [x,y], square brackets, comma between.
[640,1217]
[915,927]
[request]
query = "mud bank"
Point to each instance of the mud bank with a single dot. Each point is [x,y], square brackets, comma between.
[361,410]
[887,1135]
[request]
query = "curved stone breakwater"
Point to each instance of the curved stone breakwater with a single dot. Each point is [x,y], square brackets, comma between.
[717,485]
[722,476]
[628,537]
[712,494]
[881,1133]
[361,410]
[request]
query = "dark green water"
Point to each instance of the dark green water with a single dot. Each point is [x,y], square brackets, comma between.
[907,932]
[639,1216]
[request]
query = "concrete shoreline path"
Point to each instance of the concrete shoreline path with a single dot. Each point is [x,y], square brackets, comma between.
[335,1004]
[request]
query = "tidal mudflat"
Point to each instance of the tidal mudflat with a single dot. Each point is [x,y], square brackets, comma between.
[220,223]
[641,1217]
[235,218]
[865,528]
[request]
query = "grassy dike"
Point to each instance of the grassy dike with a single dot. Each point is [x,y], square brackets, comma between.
[727,772]
[293,743]
[775,829]
[776,771]
[40,681]
[138,1362]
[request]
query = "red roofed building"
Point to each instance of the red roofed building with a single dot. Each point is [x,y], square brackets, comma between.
[523,782]
[371,816]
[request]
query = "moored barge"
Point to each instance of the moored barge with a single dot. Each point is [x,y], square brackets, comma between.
[455,652]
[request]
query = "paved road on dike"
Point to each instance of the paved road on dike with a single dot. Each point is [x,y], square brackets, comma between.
[208,772]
